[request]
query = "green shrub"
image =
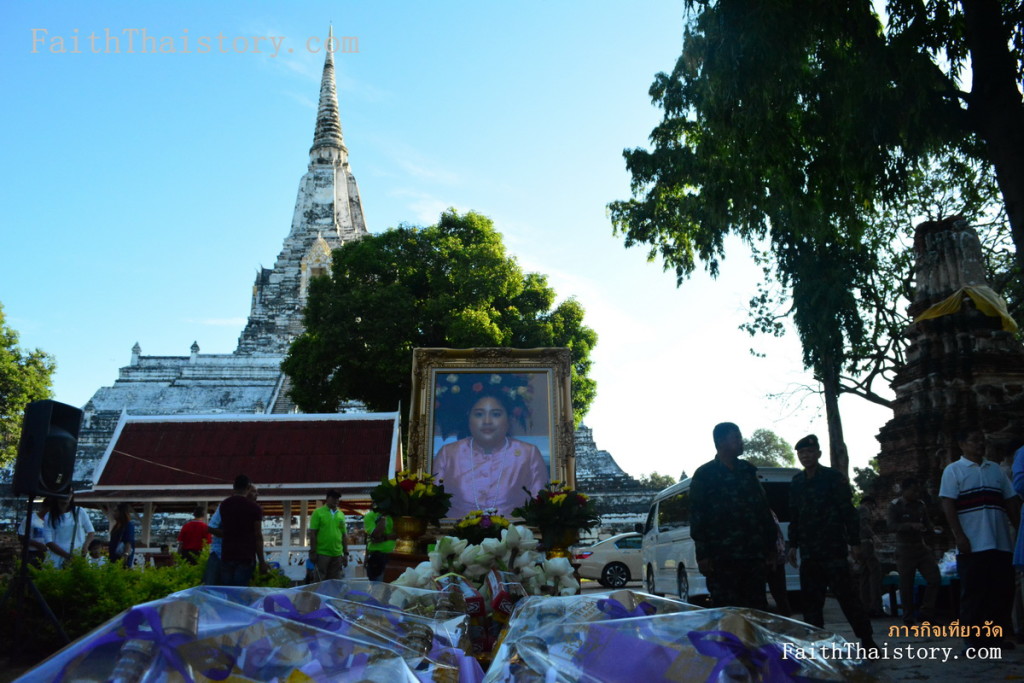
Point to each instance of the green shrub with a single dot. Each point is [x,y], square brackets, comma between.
[83,596]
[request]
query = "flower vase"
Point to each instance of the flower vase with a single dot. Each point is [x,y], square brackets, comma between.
[557,541]
[408,530]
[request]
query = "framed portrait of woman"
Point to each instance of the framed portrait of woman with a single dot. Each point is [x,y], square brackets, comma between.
[490,422]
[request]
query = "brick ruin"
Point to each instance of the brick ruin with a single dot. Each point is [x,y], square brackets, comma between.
[963,370]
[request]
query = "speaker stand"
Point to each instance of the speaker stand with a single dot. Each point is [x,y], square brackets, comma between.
[22,582]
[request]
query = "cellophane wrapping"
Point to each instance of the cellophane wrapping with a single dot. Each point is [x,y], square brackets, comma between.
[330,631]
[627,636]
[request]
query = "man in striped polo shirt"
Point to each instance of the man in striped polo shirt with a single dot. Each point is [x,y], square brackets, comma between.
[977,499]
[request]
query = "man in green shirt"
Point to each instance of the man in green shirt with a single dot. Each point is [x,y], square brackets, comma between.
[327,547]
[380,541]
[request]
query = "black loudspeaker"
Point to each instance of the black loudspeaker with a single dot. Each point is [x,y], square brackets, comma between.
[46,453]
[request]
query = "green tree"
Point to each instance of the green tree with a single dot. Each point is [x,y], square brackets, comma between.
[765,448]
[656,481]
[749,145]
[24,377]
[448,285]
[965,43]
[864,478]
[791,124]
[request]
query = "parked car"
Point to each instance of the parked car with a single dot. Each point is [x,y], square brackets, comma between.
[613,562]
[669,559]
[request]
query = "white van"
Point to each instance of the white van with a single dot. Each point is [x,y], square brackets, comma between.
[667,551]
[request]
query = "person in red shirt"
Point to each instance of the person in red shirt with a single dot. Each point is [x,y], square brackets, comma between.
[193,535]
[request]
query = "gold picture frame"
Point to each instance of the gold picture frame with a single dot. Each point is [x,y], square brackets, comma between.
[446,381]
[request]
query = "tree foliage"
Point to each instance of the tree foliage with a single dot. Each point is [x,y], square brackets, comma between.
[24,377]
[765,135]
[865,478]
[765,448]
[791,124]
[656,481]
[448,285]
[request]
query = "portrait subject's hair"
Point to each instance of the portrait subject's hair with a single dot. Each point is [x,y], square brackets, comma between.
[332,493]
[242,483]
[456,393]
[908,483]
[722,430]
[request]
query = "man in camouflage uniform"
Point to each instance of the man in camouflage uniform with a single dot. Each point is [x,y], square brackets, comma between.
[731,524]
[824,527]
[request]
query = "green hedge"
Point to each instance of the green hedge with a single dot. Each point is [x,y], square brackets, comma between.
[84,596]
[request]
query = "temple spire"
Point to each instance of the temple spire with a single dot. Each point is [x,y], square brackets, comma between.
[328,121]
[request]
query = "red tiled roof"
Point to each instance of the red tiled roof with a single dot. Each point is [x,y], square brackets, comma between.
[293,455]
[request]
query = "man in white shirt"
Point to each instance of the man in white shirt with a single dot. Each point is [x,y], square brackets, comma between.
[977,500]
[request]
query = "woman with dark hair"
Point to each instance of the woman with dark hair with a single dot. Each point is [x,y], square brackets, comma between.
[122,536]
[488,469]
[70,529]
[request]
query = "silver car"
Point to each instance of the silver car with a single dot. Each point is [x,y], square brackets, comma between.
[613,562]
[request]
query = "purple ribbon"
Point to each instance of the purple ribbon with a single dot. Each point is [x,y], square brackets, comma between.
[166,645]
[470,670]
[614,609]
[725,647]
[324,618]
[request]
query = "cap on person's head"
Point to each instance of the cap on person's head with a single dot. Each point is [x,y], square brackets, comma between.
[242,483]
[809,441]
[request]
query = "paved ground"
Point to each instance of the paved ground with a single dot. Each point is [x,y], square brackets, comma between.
[922,658]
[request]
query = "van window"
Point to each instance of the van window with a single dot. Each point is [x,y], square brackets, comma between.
[674,512]
[650,518]
[778,498]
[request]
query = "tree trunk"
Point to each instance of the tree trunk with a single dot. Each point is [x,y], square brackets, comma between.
[838,456]
[995,109]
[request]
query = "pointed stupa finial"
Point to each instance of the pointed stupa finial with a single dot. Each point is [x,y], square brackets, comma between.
[328,120]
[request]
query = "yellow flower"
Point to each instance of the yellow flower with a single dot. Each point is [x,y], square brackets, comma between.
[557,499]
[419,488]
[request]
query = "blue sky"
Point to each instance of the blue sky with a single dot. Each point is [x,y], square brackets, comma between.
[142,191]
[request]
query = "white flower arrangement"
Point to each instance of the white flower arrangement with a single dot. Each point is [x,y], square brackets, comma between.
[515,552]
